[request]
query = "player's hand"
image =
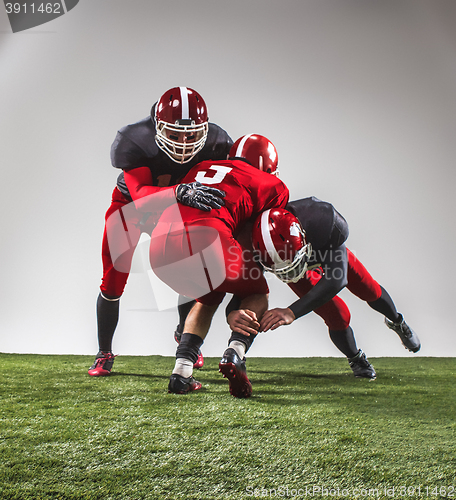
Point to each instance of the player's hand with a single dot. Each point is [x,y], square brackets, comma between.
[243,321]
[274,318]
[199,196]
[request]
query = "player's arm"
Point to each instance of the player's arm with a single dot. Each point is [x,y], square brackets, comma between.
[146,197]
[149,198]
[241,320]
[333,280]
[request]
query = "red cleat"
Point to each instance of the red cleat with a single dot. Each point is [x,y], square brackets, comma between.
[233,368]
[199,362]
[102,365]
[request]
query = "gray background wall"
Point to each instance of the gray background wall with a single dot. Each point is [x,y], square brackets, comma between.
[357,95]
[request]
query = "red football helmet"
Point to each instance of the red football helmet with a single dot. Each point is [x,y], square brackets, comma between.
[182,123]
[280,243]
[258,151]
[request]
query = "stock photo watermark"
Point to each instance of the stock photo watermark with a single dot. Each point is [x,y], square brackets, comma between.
[29,14]
[321,491]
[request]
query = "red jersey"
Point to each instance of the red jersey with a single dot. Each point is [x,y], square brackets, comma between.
[249,191]
[196,253]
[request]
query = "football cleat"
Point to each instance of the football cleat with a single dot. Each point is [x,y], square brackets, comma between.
[181,385]
[408,337]
[102,365]
[361,366]
[233,368]
[200,361]
[177,335]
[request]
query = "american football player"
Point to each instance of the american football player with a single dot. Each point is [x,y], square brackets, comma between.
[304,246]
[196,252]
[154,155]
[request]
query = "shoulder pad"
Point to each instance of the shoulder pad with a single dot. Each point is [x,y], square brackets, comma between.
[133,144]
[323,224]
[218,144]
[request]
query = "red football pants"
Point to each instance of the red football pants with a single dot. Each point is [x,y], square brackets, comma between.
[122,231]
[202,260]
[335,313]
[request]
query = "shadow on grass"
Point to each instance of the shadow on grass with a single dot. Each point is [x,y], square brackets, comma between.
[295,375]
[143,375]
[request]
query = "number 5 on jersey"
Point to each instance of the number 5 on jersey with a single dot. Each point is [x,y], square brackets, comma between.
[220,174]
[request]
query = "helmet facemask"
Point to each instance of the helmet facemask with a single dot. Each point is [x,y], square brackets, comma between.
[292,271]
[181,141]
[285,256]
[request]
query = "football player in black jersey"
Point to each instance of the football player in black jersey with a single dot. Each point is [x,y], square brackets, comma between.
[154,154]
[304,246]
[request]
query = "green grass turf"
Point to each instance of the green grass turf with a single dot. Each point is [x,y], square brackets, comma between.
[309,423]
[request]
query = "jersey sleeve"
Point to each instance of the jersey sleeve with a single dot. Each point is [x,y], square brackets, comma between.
[272,194]
[125,154]
[134,145]
[148,198]
[333,280]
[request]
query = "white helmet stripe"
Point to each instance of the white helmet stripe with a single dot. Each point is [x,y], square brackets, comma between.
[267,240]
[184,100]
[241,145]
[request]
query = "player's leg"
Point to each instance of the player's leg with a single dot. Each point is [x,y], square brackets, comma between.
[363,285]
[201,259]
[245,280]
[119,241]
[241,343]
[196,327]
[184,306]
[230,265]
[255,300]
[232,365]
[336,315]
[107,318]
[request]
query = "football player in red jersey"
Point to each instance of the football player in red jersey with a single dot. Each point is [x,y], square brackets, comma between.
[197,255]
[304,246]
[154,155]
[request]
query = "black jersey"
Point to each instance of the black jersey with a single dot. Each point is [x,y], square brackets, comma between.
[325,227]
[326,230]
[135,146]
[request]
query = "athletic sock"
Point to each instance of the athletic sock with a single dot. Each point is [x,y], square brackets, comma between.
[239,347]
[184,306]
[107,319]
[345,341]
[247,341]
[385,305]
[183,367]
[189,347]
